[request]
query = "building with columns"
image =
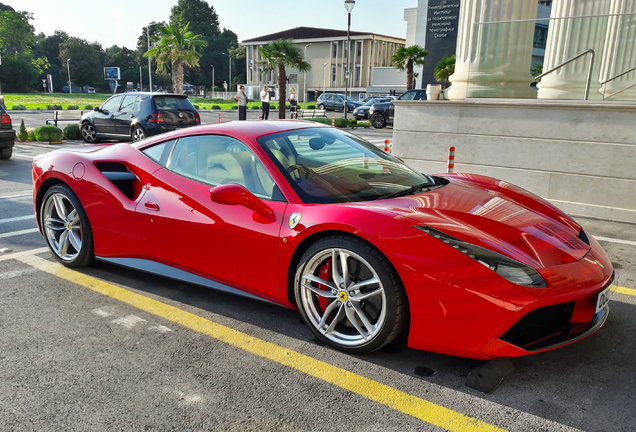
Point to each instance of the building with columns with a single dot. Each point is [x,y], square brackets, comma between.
[326,52]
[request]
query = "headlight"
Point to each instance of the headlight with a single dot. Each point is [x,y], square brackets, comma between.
[511,270]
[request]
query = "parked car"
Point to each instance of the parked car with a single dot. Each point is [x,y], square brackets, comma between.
[335,101]
[7,134]
[362,112]
[136,115]
[381,114]
[65,89]
[188,89]
[313,218]
[90,90]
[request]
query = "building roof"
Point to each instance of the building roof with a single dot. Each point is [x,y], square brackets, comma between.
[310,33]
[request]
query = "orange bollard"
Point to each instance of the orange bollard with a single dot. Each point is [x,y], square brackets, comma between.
[219,117]
[333,121]
[387,146]
[451,160]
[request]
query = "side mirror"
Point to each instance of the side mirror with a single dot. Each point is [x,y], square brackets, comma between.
[96,109]
[235,194]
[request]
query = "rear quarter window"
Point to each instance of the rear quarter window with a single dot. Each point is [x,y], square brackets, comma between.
[172,103]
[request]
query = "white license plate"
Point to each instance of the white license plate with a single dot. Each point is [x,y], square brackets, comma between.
[602,300]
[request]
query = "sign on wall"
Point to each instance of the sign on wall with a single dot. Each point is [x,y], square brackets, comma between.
[111,73]
[441,35]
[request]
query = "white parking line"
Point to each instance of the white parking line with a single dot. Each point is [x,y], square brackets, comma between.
[16,233]
[15,219]
[22,254]
[611,240]
[17,195]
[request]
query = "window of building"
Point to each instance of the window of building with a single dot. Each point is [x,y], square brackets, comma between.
[359,48]
[335,49]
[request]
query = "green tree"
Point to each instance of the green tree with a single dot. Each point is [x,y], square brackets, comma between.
[278,55]
[406,58]
[87,61]
[124,59]
[444,69]
[177,45]
[202,18]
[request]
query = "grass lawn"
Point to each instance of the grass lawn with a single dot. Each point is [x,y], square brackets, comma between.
[42,100]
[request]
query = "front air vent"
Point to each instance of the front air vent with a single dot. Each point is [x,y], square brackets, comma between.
[119,175]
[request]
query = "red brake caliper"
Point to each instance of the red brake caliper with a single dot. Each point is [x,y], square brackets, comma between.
[325,274]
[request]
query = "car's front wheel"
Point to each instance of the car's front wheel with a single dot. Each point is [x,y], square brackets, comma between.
[66,227]
[138,134]
[378,120]
[349,294]
[88,133]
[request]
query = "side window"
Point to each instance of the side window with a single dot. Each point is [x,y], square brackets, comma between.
[111,104]
[218,159]
[129,103]
[160,152]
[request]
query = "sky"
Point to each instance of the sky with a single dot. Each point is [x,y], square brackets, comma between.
[120,23]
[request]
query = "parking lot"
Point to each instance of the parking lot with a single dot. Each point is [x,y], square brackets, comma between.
[107,348]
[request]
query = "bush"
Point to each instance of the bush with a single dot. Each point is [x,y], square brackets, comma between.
[353,122]
[22,132]
[254,107]
[311,106]
[72,132]
[72,107]
[18,107]
[54,107]
[340,122]
[88,107]
[48,133]
[196,107]
[31,134]
[364,124]
[234,107]
[216,106]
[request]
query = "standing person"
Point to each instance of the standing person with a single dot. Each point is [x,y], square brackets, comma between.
[265,103]
[293,102]
[241,97]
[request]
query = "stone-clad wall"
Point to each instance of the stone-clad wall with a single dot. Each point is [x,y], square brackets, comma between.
[580,156]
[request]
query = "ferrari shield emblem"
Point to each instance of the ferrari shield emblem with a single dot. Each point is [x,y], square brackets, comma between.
[294,219]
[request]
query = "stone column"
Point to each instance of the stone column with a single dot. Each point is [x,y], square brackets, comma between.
[493,60]
[567,37]
[620,50]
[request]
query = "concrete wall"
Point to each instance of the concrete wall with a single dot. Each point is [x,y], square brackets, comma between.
[580,156]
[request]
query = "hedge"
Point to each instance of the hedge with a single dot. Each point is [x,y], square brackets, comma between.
[18,107]
[72,107]
[340,122]
[196,107]
[54,107]
[72,132]
[216,106]
[88,107]
[48,133]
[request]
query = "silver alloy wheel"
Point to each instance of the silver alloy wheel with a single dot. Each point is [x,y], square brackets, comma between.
[62,227]
[378,121]
[353,309]
[88,133]
[321,106]
[138,133]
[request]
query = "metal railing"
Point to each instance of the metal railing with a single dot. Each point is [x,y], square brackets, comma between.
[613,78]
[589,72]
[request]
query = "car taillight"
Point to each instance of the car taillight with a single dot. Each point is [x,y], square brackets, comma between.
[5,119]
[197,117]
[156,118]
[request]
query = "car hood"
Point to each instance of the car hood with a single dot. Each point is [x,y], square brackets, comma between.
[498,216]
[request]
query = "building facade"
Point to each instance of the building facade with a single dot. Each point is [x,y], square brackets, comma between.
[326,51]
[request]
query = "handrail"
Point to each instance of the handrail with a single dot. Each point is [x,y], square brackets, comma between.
[589,72]
[613,78]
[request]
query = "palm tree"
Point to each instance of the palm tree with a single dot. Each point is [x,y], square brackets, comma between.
[280,54]
[404,60]
[444,69]
[177,46]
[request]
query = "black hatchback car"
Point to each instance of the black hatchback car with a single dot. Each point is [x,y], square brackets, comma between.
[136,115]
[7,135]
[381,114]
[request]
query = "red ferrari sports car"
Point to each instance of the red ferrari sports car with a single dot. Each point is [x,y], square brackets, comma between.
[314,218]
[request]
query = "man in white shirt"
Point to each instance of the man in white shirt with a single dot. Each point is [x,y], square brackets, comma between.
[265,103]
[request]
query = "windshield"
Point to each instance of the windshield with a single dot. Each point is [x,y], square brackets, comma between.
[375,101]
[325,165]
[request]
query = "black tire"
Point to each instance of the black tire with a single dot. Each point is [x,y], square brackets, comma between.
[347,317]
[66,228]
[138,133]
[378,120]
[6,152]
[89,134]
[322,107]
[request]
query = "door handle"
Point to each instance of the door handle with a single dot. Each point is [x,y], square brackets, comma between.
[132,116]
[152,206]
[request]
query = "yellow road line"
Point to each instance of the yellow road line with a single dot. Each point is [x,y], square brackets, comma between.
[373,390]
[622,290]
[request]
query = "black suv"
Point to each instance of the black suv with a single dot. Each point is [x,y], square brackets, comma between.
[381,114]
[7,135]
[135,115]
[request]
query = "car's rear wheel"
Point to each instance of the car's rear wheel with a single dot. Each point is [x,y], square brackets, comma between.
[321,106]
[66,227]
[6,152]
[138,134]
[88,133]
[378,120]
[349,295]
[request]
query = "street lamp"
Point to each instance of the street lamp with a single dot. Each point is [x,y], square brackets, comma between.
[348,4]
[212,79]
[305,78]
[324,74]
[230,60]
[68,69]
